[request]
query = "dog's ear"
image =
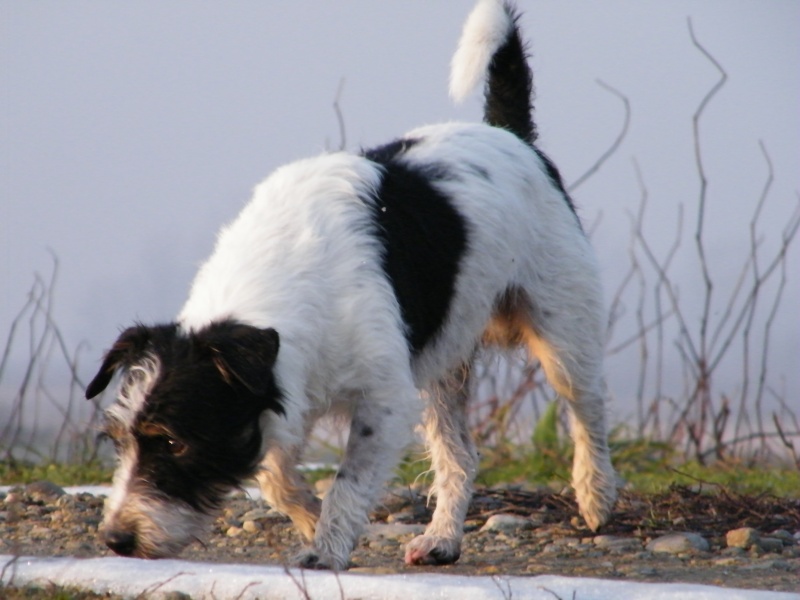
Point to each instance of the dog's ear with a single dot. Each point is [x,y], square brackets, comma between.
[245,355]
[130,345]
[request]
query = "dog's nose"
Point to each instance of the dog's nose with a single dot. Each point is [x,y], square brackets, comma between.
[121,542]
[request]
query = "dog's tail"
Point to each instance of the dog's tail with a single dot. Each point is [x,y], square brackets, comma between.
[491,50]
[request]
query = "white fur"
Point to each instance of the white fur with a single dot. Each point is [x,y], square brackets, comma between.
[484,32]
[301,258]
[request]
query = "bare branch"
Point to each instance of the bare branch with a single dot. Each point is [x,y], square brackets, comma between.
[614,146]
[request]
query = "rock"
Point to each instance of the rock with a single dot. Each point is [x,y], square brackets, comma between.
[506,522]
[613,542]
[675,543]
[378,531]
[233,531]
[39,533]
[770,544]
[783,535]
[251,526]
[398,498]
[13,497]
[44,491]
[258,514]
[67,501]
[744,537]
[401,516]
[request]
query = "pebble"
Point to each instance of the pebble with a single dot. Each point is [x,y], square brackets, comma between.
[376,531]
[234,531]
[40,532]
[744,537]
[675,543]
[615,543]
[44,491]
[251,526]
[506,522]
[783,535]
[771,544]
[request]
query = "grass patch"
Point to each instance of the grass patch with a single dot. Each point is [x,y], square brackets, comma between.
[646,466]
[731,475]
[51,592]
[15,472]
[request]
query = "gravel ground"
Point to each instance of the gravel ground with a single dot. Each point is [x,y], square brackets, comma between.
[683,535]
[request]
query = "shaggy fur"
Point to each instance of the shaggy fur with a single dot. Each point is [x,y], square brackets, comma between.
[350,284]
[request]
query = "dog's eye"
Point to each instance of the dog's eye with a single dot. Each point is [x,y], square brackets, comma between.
[176,447]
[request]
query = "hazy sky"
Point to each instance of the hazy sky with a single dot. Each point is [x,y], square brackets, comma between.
[131,131]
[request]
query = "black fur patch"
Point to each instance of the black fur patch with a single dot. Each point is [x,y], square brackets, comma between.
[197,434]
[555,178]
[424,239]
[509,89]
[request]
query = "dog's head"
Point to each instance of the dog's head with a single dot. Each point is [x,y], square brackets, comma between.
[185,425]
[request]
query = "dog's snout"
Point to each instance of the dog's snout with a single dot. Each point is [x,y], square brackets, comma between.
[121,542]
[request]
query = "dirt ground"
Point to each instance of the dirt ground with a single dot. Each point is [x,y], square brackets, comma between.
[551,540]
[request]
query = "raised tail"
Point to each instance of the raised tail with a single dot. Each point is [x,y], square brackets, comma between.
[491,50]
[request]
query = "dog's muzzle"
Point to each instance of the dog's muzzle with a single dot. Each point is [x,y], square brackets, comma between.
[121,542]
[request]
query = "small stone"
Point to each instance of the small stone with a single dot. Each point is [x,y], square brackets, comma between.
[44,491]
[251,526]
[378,531]
[233,531]
[783,535]
[403,516]
[564,541]
[258,514]
[745,537]
[37,532]
[727,561]
[550,549]
[675,543]
[67,501]
[616,543]
[506,522]
[770,544]
[383,544]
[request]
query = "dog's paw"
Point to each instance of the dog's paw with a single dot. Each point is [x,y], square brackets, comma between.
[432,550]
[596,502]
[311,558]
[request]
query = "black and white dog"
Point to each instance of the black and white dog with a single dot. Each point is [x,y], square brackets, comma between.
[362,284]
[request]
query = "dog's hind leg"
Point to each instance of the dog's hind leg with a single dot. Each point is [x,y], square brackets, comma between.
[565,332]
[454,461]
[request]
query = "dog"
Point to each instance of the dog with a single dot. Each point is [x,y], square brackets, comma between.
[362,284]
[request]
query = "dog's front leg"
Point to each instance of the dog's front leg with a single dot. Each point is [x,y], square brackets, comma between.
[286,490]
[379,432]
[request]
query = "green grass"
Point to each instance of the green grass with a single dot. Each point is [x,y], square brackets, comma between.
[646,466]
[16,472]
[50,592]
